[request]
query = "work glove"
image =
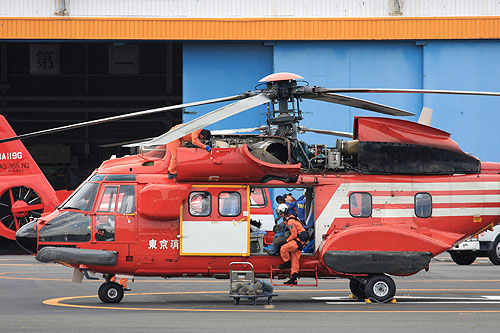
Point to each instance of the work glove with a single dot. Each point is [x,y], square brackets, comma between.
[208,148]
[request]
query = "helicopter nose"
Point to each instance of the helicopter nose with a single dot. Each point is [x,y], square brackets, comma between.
[26,237]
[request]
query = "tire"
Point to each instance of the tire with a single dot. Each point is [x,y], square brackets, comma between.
[380,287]
[357,288]
[110,292]
[462,258]
[494,253]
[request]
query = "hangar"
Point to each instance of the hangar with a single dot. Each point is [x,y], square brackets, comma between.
[65,61]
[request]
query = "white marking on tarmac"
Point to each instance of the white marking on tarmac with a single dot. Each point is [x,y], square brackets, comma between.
[417,300]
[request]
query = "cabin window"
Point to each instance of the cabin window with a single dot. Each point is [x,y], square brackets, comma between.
[423,205]
[200,203]
[229,204]
[258,198]
[360,204]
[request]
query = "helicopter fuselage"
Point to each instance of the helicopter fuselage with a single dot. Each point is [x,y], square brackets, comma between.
[142,224]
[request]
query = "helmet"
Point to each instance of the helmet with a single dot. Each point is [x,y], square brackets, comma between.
[282,209]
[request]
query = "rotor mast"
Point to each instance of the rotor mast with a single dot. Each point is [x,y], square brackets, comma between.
[284,110]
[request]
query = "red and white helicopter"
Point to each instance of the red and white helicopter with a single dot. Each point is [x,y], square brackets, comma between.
[25,193]
[383,203]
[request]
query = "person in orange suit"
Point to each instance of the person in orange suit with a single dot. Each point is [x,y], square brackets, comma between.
[195,137]
[291,251]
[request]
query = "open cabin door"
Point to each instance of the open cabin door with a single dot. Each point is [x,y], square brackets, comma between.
[215,221]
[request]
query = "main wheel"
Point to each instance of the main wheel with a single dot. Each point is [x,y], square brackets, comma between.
[110,292]
[380,287]
[462,257]
[357,288]
[494,254]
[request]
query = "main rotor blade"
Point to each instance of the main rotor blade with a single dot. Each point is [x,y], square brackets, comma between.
[238,130]
[359,103]
[124,116]
[210,118]
[425,116]
[336,133]
[410,91]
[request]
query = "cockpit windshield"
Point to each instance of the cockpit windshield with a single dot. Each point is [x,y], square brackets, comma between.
[83,198]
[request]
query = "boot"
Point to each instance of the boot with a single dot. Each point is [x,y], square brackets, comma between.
[285,265]
[293,279]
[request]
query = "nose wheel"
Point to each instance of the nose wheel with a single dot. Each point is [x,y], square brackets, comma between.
[110,292]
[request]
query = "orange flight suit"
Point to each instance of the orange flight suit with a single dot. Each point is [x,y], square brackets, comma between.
[172,147]
[290,251]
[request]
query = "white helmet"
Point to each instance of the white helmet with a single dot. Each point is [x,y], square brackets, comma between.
[282,209]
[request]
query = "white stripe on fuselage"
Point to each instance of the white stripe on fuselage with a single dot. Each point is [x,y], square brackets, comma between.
[334,209]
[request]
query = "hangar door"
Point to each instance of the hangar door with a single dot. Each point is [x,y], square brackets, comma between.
[213,70]
[45,84]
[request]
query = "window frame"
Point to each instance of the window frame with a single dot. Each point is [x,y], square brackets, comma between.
[361,207]
[209,196]
[219,203]
[415,205]
[263,192]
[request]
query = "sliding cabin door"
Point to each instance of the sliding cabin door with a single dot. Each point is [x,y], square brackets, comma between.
[215,221]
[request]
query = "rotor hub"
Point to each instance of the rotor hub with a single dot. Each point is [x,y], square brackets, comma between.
[20,208]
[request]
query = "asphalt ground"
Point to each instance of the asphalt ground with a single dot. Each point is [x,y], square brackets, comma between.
[449,298]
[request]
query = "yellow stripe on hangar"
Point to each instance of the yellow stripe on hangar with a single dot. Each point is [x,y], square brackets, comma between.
[263,29]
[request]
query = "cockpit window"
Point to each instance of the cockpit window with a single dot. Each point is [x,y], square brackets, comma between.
[108,201]
[120,178]
[97,178]
[67,227]
[83,198]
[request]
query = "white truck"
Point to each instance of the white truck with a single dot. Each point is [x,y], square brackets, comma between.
[486,244]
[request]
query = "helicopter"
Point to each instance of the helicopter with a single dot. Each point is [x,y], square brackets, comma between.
[381,203]
[25,193]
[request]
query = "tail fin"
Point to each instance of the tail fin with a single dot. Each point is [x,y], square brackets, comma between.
[25,192]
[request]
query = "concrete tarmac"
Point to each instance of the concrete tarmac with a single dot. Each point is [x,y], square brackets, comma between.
[449,298]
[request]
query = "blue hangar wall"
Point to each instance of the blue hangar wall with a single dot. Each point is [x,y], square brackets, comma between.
[221,69]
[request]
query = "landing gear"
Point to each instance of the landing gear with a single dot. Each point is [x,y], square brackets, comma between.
[357,288]
[380,287]
[110,292]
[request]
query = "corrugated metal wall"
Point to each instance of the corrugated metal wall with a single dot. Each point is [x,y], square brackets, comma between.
[246,8]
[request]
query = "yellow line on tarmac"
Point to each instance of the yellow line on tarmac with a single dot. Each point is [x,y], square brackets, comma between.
[57,302]
[17,259]
[340,280]
[24,265]
[35,279]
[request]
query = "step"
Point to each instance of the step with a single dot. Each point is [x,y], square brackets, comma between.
[277,271]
